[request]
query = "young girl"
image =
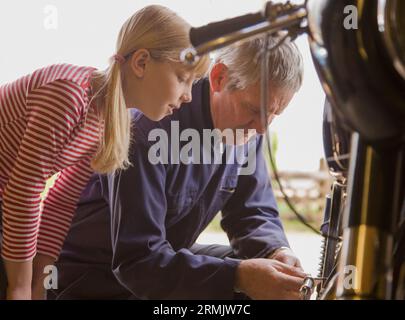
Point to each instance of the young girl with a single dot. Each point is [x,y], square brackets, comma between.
[75,121]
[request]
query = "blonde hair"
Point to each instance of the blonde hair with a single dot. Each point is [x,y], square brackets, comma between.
[165,35]
[243,61]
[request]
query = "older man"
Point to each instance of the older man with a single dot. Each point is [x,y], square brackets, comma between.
[134,234]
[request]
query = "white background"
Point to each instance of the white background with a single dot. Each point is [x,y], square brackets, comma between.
[86,33]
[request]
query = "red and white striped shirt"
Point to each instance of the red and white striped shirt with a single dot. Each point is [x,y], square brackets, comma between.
[46,126]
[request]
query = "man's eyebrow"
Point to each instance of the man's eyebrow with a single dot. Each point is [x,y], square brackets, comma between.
[250,105]
[258,108]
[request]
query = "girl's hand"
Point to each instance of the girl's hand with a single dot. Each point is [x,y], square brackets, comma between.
[19,293]
[38,292]
[19,277]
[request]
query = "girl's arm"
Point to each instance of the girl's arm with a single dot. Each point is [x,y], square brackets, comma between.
[50,119]
[59,207]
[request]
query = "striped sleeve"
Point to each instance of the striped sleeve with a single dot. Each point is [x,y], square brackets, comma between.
[51,114]
[59,207]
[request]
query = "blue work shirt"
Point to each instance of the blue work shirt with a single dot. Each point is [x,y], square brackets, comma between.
[157,212]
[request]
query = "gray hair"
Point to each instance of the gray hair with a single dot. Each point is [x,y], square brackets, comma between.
[243,61]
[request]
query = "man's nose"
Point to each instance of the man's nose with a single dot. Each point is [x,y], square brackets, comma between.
[262,127]
[186,98]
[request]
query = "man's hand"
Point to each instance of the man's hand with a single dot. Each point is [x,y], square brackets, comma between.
[287,256]
[267,279]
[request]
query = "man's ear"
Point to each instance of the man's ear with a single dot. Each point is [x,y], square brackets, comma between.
[138,62]
[218,77]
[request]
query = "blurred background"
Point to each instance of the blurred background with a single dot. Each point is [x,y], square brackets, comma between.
[36,33]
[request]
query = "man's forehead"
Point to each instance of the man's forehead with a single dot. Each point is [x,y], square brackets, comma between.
[276,96]
[272,90]
[278,99]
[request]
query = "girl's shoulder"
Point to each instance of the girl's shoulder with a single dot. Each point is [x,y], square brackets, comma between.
[67,85]
[76,75]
